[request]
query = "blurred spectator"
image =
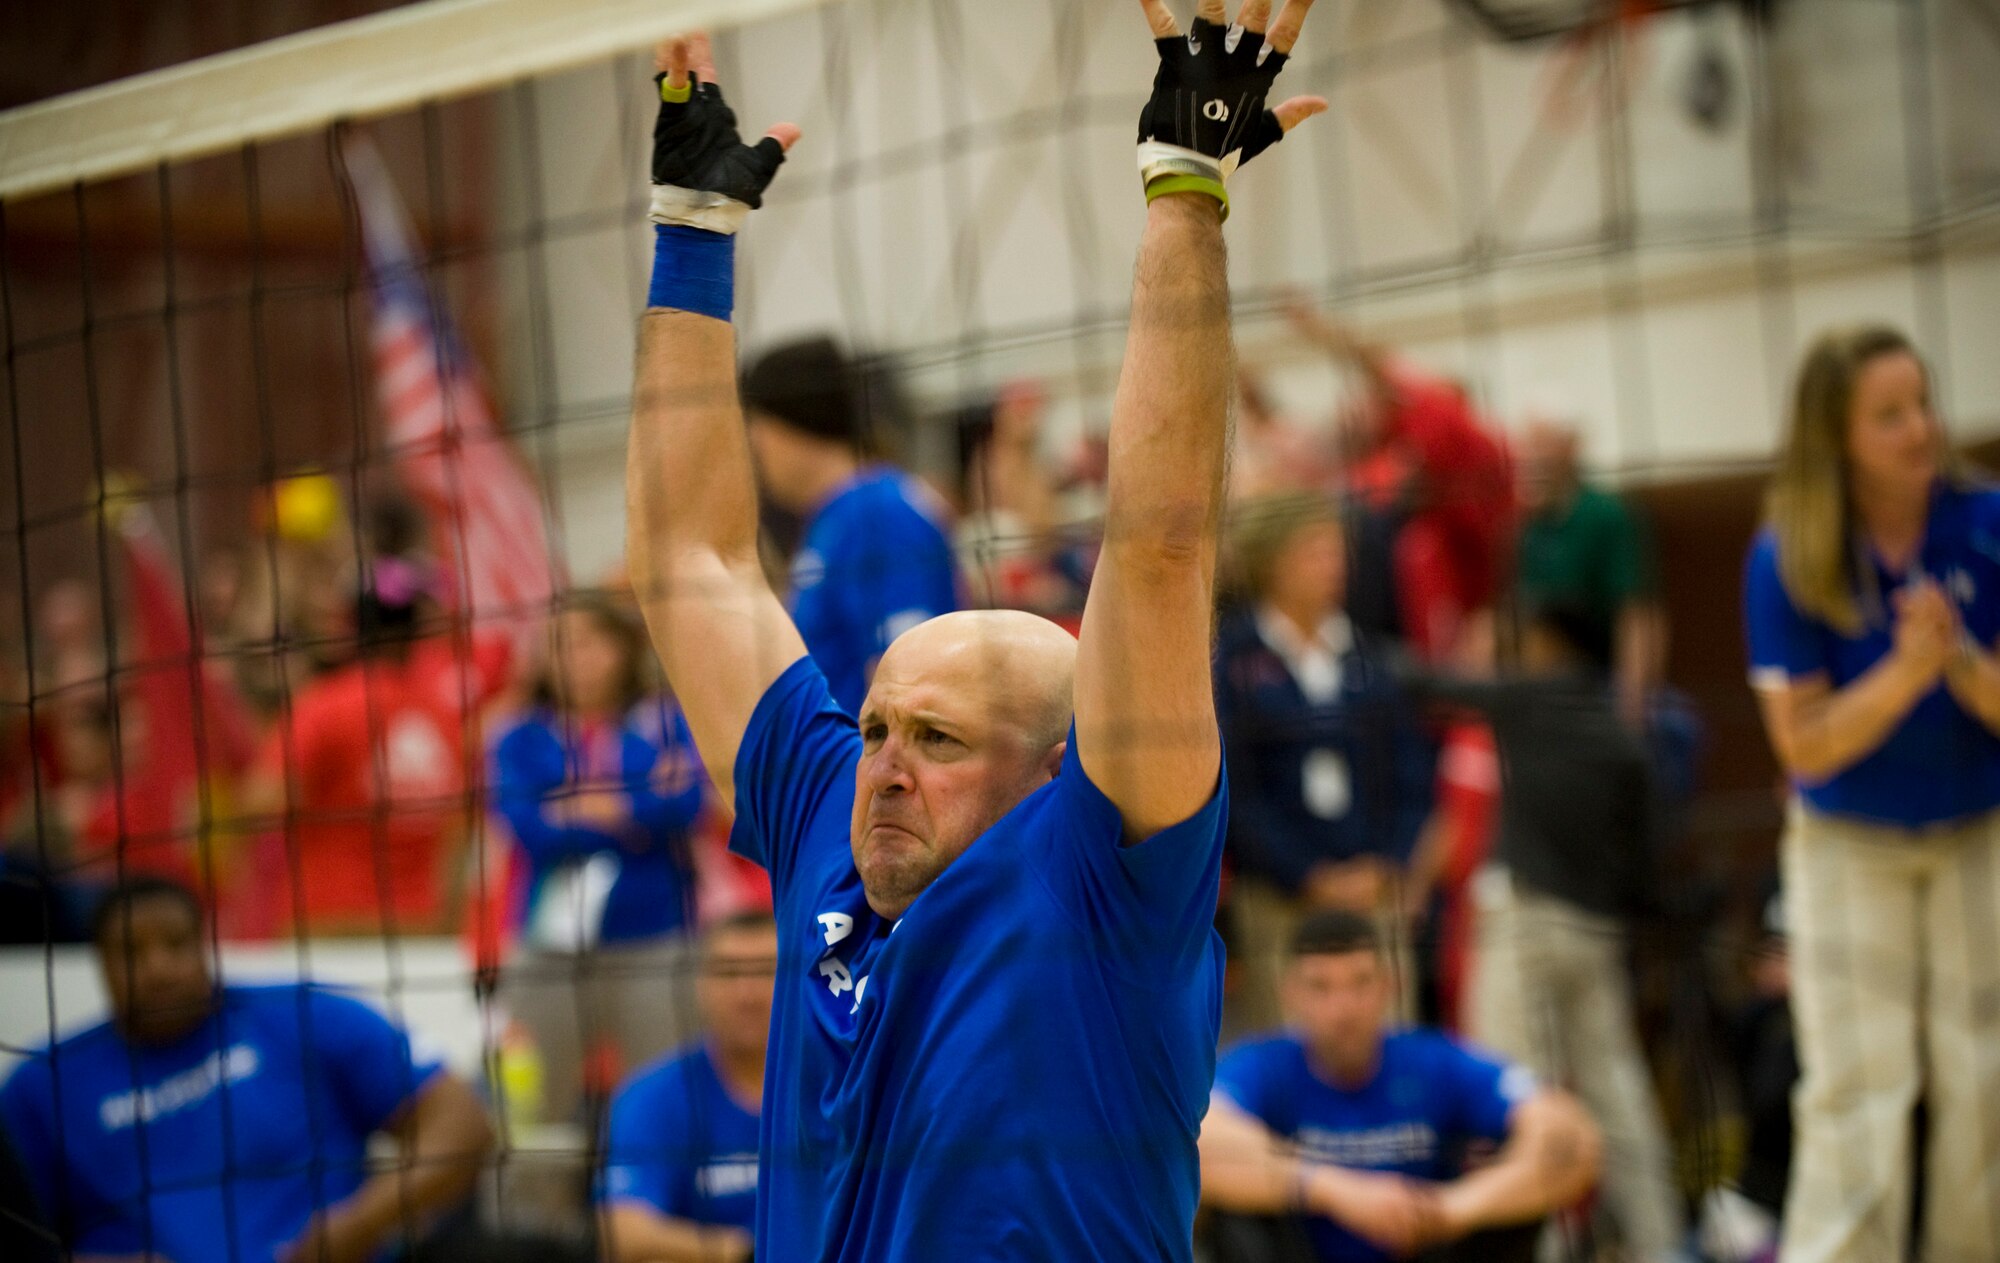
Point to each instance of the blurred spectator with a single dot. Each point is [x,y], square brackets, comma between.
[211,1123]
[1421,455]
[1584,548]
[1740,1221]
[1457,838]
[369,769]
[1007,523]
[875,560]
[1329,775]
[69,647]
[601,787]
[680,1174]
[131,756]
[282,604]
[1371,1134]
[1873,604]
[1272,455]
[1571,866]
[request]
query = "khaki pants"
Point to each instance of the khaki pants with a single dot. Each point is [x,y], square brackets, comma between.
[636,999]
[1548,988]
[1895,995]
[1265,919]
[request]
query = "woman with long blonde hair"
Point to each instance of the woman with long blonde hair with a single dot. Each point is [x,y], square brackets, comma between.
[1873,605]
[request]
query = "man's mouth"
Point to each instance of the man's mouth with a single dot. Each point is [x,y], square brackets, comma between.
[884,827]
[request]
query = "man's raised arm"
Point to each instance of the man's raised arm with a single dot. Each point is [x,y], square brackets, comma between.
[1145,710]
[691,499]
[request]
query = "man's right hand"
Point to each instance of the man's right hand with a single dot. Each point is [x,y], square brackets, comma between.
[704,176]
[1398,1214]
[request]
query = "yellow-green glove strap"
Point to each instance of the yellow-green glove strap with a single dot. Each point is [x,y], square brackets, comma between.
[1189,184]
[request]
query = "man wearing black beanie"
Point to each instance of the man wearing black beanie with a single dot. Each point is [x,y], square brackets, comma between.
[875,560]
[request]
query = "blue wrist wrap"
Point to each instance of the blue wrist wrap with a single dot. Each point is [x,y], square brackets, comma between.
[693,270]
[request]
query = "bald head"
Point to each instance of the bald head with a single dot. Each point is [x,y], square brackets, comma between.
[1016,668]
[966,717]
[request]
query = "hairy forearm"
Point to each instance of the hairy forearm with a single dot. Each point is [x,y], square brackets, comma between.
[688,479]
[638,1234]
[1169,429]
[1550,1160]
[691,536]
[1145,712]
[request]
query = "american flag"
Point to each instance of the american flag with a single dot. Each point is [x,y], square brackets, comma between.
[483,505]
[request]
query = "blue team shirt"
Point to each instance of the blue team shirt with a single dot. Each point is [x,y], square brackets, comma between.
[1016,1069]
[651,757]
[1940,764]
[221,1145]
[874,563]
[682,1145]
[1430,1096]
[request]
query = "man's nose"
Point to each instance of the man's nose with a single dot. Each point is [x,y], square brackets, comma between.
[886,770]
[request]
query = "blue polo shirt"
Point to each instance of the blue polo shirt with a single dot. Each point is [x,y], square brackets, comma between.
[1017,1068]
[874,563]
[679,1143]
[1430,1096]
[1940,764]
[221,1145]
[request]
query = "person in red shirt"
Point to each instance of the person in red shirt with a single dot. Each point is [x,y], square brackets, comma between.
[368,767]
[126,755]
[1418,442]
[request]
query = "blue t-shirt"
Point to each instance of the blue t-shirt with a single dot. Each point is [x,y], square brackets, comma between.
[1016,1069]
[649,888]
[1430,1097]
[221,1145]
[1940,764]
[874,563]
[682,1145]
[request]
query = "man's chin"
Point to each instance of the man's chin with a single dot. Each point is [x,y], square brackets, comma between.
[893,882]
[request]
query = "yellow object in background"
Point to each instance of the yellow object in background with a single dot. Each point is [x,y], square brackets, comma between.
[308,508]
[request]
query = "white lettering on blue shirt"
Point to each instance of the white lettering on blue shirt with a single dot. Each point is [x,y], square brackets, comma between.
[177,1092]
[835,925]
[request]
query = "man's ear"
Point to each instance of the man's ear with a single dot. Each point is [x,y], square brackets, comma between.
[1052,761]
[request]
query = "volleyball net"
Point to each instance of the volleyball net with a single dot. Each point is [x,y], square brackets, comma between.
[327,344]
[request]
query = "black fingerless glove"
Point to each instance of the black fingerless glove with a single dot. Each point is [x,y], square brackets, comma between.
[1207,114]
[704,176]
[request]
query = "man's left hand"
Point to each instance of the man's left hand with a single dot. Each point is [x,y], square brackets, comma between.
[1207,114]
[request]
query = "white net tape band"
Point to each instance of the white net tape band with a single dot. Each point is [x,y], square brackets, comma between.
[356,69]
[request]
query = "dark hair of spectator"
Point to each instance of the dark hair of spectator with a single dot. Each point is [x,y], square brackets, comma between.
[616,620]
[137,890]
[972,425]
[387,610]
[1583,635]
[811,386]
[1335,933]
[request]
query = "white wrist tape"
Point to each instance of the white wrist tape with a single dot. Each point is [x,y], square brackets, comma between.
[1157,159]
[696,209]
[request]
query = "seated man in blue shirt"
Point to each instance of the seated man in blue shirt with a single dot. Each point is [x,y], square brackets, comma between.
[875,560]
[998,980]
[207,1122]
[680,1164]
[1362,1131]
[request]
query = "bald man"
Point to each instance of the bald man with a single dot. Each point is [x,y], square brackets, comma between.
[998,990]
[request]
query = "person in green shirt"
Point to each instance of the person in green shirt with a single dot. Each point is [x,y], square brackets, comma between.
[1582,547]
